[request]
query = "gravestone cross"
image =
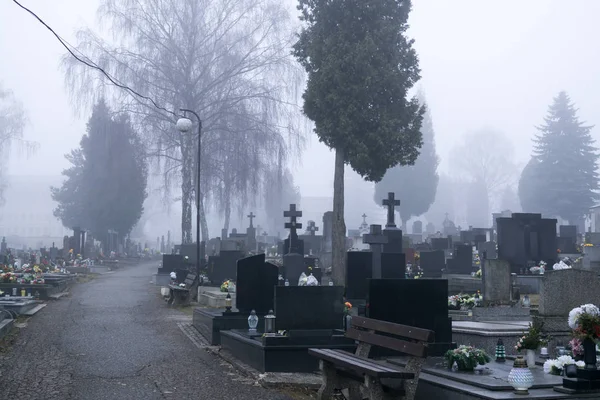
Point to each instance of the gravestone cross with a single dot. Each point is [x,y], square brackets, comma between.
[251,216]
[312,228]
[376,239]
[292,214]
[364,217]
[391,203]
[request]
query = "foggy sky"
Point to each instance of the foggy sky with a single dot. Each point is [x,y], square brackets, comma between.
[484,63]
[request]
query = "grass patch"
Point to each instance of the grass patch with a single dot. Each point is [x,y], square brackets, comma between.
[86,278]
[7,341]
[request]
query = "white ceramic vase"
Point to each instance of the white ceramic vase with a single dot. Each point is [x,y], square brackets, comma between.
[530,358]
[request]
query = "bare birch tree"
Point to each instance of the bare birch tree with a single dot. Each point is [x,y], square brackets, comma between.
[228,60]
[12,125]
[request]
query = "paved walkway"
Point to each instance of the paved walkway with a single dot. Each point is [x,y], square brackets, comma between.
[114,338]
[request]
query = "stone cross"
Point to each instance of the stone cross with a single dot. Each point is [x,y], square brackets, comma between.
[376,239]
[391,203]
[364,217]
[312,228]
[251,216]
[292,214]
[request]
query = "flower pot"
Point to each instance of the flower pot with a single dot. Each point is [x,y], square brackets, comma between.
[589,353]
[530,358]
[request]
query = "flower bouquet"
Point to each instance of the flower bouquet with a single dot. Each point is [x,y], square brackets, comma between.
[466,358]
[585,322]
[556,366]
[347,307]
[532,339]
[561,265]
[225,286]
[478,273]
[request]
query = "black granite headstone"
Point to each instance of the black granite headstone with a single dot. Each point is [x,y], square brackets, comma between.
[432,263]
[309,307]
[422,303]
[393,265]
[394,244]
[526,237]
[254,284]
[568,231]
[223,266]
[171,262]
[462,260]
[358,271]
[293,267]
[440,243]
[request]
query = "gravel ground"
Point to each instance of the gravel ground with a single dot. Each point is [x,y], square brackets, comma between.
[114,338]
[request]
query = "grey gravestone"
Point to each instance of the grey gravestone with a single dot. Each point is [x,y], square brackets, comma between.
[309,307]
[224,234]
[495,275]
[358,272]
[293,266]
[417,227]
[254,285]
[563,290]
[4,248]
[432,263]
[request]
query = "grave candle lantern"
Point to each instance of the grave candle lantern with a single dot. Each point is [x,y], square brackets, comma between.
[520,377]
[526,301]
[228,303]
[270,322]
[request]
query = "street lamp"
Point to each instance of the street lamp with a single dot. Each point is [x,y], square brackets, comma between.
[184,125]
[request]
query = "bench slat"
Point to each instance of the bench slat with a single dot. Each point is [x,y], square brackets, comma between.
[350,361]
[413,349]
[405,331]
[358,359]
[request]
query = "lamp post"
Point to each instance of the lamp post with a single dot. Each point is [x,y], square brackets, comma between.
[185,125]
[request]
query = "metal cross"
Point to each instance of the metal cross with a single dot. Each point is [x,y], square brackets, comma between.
[312,228]
[251,216]
[391,203]
[375,239]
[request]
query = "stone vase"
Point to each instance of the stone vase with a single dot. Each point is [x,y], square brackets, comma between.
[530,358]
[589,353]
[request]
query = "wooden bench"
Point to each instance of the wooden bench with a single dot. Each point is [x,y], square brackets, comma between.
[180,296]
[358,373]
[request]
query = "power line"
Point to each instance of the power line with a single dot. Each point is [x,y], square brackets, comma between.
[91,64]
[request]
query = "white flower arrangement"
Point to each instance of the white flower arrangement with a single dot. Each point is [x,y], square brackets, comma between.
[560,265]
[173,275]
[556,366]
[575,313]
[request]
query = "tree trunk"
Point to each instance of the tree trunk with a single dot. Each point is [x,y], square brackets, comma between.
[186,196]
[338,240]
[203,223]
[227,213]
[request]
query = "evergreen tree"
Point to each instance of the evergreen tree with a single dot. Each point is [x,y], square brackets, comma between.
[415,185]
[105,186]
[564,174]
[360,66]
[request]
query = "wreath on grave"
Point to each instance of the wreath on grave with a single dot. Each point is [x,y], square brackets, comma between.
[466,358]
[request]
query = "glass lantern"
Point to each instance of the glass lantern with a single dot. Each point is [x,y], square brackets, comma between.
[520,377]
[270,322]
[252,321]
[228,303]
[526,301]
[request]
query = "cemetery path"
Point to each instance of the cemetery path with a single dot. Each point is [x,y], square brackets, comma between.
[114,338]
